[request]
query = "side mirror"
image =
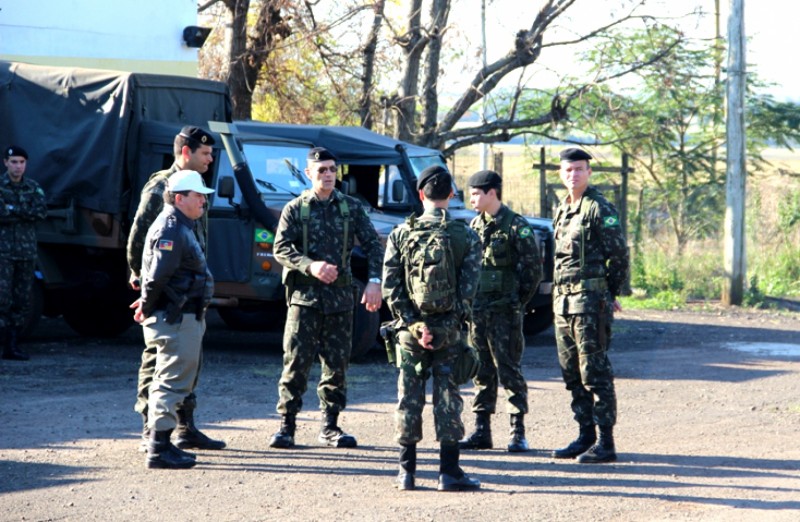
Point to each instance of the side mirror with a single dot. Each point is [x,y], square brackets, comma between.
[225,188]
[398,190]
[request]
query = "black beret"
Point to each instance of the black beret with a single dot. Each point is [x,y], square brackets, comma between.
[574,154]
[485,179]
[14,150]
[320,154]
[190,132]
[429,174]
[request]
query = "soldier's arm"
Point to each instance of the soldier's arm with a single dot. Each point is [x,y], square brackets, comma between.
[289,240]
[369,240]
[394,288]
[529,260]
[167,247]
[615,248]
[34,206]
[150,205]
[469,273]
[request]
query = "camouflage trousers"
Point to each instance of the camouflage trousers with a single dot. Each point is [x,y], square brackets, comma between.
[582,354]
[16,283]
[310,333]
[415,368]
[497,335]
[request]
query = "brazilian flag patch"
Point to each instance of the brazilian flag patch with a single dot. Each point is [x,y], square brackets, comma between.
[264,236]
[610,221]
[525,232]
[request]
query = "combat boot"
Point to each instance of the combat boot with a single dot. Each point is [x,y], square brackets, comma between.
[161,454]
[408,466]
[451,476]
[586,438]
[144,443]
[481,438]
[188,436]
[284,438]
[11,351]
[517,443]
[603,451]
[332,435]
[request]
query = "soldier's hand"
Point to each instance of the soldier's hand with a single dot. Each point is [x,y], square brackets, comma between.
[372,297]
[617,306]
[136,306]
[325,272]
[426,338]
[134,282]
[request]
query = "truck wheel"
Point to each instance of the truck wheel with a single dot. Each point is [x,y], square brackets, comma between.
[538,320]
[366,324]
[37,304]
[96,316]
[254,318]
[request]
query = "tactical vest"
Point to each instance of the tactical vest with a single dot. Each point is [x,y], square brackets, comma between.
[432,253]
[498,269]
[586,283]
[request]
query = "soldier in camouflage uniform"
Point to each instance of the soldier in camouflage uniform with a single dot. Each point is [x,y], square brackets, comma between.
[313,242]
[429,343]
[22,204]
[510,273]
[193,151]
[591,264]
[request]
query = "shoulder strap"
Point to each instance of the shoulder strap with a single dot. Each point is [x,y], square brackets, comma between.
[305,217]
[344,210]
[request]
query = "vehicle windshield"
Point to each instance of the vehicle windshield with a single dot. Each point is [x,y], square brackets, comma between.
[420,163]
[277,167]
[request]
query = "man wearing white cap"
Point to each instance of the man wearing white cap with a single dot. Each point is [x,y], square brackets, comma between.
[176,290]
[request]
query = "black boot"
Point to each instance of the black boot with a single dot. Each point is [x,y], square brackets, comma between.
[161,454]
[284,438]
[188,435]
[603,451]
[451,476]
[145,440]
[586,438]
[517,443]
[481,438]
[10,349]
[408,466]
[332,435]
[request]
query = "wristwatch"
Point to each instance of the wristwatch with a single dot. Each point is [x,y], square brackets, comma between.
[376,280]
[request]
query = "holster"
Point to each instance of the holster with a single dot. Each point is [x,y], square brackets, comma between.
[389,335]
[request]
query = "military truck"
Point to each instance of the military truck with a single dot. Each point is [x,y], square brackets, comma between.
[380,171]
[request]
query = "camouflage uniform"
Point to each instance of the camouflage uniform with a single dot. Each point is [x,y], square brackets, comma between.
[418,364]
[150,206]
[510,274]
[320,317]
[21,206]
[591,264]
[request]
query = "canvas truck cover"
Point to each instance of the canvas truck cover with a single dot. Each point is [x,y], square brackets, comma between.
[80,126]
[355,145]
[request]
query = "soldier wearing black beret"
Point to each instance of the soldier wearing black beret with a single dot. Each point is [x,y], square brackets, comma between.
[433,173]
[590,267]
[511,269]
[193,150]
[317,154]
[22,204]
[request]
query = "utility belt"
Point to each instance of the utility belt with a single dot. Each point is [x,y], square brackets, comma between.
[300,279]
[597,284]
[496,281]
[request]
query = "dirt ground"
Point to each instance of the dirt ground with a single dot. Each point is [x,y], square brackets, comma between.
[705,433]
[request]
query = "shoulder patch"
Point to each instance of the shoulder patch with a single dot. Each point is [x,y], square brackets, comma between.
[610,221]
[165,244]
[524,232]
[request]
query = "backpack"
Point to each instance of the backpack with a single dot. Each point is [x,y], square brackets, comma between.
[432,254]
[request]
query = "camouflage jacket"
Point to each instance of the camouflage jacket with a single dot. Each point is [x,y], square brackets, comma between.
[395,290]
[511,267]
[21,206]
[325,234]
[174,269]
[591,255]
[150,205]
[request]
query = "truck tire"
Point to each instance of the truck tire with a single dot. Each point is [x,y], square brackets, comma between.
[259,317]
[37,305]
[366,324]
[96,316]
[538,320]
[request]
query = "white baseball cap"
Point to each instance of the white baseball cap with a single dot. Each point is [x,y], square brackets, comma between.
[184,180]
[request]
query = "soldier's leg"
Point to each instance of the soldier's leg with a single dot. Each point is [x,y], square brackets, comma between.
[6,272]
[410,396]
[22,284]
[334,355]
[485,382]
[508,345]
[300,346]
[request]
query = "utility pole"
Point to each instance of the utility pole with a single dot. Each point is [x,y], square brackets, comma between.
[735,265]
[484,153]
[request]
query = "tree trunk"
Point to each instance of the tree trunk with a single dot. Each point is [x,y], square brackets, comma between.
[412,43]
[440,10]
[367,80]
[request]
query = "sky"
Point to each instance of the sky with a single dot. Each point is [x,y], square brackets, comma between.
[769,26]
